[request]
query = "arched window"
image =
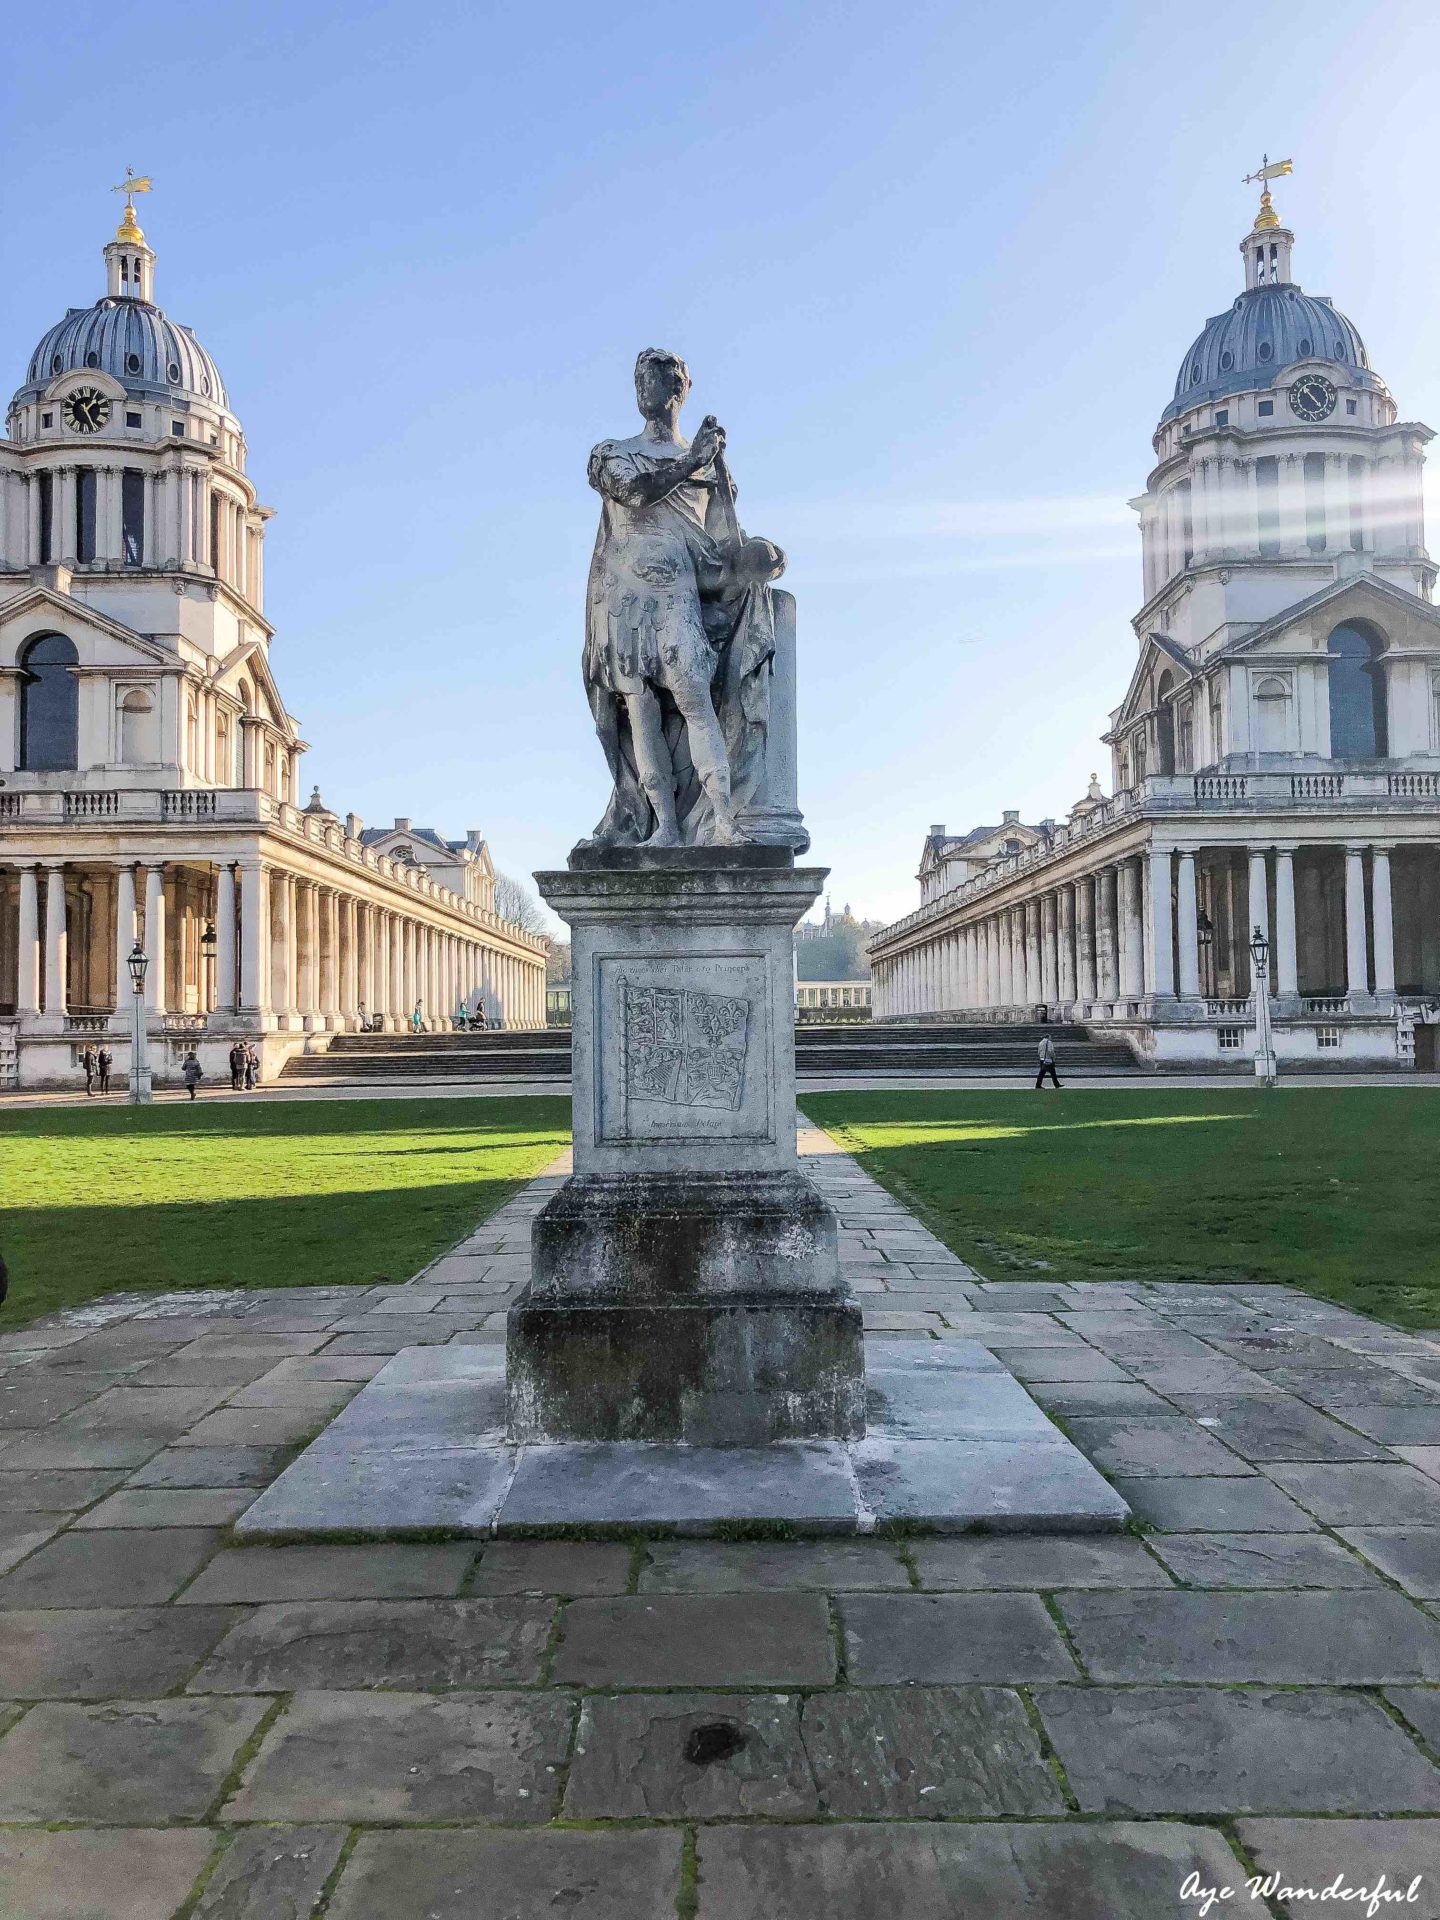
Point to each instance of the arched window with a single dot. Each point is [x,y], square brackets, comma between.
[223,752]
[1272,714]
[49,705]
[1165,720]
[1185,748]
[137,728]
[1357,694]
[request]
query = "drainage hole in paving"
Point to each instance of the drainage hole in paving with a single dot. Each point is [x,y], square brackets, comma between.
[715,1740]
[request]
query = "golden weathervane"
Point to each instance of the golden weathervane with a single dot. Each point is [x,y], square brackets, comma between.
[132,184]
[1269,170]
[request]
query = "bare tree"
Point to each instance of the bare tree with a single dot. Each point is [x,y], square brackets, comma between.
[516,903]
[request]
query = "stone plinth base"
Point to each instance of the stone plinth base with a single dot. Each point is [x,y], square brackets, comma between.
[954,1444]
[705,1309]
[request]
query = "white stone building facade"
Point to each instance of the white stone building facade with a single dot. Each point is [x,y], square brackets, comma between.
[149,770]
[1276,758]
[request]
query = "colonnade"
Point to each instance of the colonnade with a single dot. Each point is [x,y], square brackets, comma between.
[288,951]
[1133,929]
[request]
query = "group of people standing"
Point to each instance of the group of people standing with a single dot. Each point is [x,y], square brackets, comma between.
[96,1063]
[244,1067]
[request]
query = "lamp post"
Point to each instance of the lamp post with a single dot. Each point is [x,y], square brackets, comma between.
[1205,940]
[1260,982]
[138,963]
[208,945]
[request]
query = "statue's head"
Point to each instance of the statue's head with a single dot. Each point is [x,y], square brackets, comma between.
[660,379]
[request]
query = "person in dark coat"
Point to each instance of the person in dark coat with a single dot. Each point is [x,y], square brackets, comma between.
[1047,1063]
[252,1069]
[237,1067]
[104,1061]
[91,1066]
[190,1072]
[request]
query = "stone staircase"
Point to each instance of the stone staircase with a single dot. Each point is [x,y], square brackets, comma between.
[877,1052]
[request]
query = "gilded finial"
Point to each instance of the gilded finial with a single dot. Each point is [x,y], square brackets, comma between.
[133,183]
[1269,170]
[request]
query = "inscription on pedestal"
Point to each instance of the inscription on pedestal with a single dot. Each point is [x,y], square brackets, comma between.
[676,1042]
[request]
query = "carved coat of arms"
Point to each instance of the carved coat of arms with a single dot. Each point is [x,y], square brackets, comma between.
[687,1049]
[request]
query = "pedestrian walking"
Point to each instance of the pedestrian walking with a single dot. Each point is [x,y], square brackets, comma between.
[416,1019]
[1047,1063]
[104,1061]
[91,1065]
[252,1069]
[190,1072]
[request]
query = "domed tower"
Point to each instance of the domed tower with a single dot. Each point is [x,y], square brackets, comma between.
[125,464]
[1282,465]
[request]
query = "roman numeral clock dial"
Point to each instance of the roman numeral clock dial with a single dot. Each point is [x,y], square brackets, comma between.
[86,410]
[1312,397]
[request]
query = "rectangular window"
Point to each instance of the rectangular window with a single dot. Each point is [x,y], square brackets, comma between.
[1267,503]
[47,419]
[1231,1039]
[1350,407]
[85,479]
[1315,502]
[1222,416]
[45,482]
[1265,409]
[215,531]
[132,516]
[1355,474]
[1327,1036]
[134,420]
[177,427]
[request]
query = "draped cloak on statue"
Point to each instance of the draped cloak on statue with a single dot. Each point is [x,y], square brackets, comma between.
[664,594]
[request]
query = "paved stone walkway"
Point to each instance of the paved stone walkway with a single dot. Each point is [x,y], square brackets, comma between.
[1060,1728]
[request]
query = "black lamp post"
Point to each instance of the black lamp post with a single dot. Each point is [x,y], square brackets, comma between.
[1260,986]
[1205,940]
[138,964]
[208,945]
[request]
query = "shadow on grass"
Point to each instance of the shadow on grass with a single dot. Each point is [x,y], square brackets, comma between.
[62,1257]
[1329,1189]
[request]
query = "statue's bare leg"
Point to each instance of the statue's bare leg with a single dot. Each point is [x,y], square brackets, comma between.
[708,754]
[652,757]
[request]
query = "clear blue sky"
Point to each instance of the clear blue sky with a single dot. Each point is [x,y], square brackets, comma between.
[934,267]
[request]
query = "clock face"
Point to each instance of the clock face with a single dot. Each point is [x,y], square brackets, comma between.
[1312,397]
[86,410]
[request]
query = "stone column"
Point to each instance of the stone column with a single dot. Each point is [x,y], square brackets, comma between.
[397,971]
[1162,964]
[62,515]
[349,958]
[155,940]
[285,989]
[1287,972]
[1085,988]
[1382,915]
[1356,971]
[225,939]
[1259,901]
[56,939]
[1004,959]
[1050,949]
[1188,918]
[1065,944]
[124,933]
[1132,979]
[254,936]
[27,957]
[330,957]
[1107,946]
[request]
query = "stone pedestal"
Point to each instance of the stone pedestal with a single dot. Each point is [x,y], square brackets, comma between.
[684,1284]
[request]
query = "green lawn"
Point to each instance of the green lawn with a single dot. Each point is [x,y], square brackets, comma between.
[253,1194]
[1334,1190]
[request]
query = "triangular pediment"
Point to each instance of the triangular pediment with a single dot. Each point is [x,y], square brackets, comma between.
[99,638]
[1403,618]
[1159,654]
[250,661]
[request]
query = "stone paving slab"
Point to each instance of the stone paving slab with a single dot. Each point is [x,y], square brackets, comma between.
[260,1574]
[1310,1855]
[697,1640]
[615,1875]
[895,1639]
[126,1763]
[817,1565]
[1036,1871]
[145,1874]
[691,1756]
[1188,1750]
[271,1873]
[103,1653]
[397,1757]
[1410,1556]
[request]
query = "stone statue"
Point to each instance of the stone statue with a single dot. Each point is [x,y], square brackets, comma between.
[679,628]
